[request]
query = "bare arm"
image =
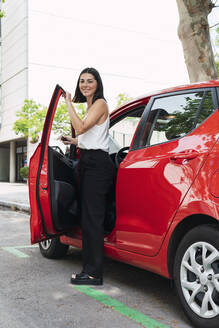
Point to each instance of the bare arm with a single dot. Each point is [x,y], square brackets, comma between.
[96,111]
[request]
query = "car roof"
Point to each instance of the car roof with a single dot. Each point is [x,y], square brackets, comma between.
[143,99]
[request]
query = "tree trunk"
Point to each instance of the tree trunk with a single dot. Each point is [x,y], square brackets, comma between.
[194,34]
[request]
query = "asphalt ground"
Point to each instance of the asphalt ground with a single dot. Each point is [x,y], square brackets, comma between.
[35,292]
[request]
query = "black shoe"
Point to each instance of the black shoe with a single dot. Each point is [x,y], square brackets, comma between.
[78,275]
[84,279]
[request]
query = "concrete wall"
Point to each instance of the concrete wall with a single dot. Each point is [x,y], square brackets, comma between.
[14,64]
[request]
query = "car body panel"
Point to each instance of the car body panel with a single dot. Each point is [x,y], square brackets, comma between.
[41,220]
[163,168]
[35,219]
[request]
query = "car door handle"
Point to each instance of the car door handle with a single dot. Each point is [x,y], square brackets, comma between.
[189,154]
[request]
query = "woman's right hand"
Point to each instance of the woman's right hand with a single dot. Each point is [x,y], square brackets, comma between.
[67,97]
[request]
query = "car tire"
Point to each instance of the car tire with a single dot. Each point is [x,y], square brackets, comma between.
[53,248]
[196,275]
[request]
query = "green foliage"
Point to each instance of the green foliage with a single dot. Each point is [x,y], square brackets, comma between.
[30,120]
[81,110]
[217,37]
[24,171]
[122,99]
[183,121]
[61,123]
[32,116]
[217,66]
[2,13]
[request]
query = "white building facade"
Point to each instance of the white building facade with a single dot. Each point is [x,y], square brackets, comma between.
[24,75]
[14,87]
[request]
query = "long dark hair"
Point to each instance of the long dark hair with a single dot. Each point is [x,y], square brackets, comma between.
[78,97]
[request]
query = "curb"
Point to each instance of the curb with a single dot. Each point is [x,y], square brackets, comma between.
[15,206]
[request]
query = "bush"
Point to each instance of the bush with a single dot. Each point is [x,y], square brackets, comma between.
[24,171]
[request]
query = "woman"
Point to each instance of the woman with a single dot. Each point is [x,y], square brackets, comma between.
[96,171]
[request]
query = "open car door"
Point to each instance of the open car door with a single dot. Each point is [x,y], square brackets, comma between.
[52,185]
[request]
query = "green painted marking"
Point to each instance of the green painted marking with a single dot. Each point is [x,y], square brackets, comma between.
[27,246]
[120,307]
[15,252]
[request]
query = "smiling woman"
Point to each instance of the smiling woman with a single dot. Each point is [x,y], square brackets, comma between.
[96,171]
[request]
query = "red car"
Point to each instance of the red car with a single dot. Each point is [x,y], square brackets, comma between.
[163,210]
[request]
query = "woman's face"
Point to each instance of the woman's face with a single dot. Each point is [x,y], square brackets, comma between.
[87,84]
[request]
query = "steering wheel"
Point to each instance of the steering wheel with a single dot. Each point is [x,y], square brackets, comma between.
[120,156]
[58,149]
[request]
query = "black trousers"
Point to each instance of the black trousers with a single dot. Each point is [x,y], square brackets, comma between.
[96,176]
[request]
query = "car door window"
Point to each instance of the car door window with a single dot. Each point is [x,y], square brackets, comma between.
[123,130]
[175,116]
[206,109]
[61,126]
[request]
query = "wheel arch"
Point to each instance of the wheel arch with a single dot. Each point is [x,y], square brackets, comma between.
[180,231]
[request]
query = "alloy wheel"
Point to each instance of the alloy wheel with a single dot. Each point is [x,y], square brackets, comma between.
[46,244]
[199,278]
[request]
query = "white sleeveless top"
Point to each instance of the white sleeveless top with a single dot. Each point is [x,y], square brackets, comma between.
[96,137]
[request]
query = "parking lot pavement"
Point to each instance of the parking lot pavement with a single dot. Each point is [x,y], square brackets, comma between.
[35,291]
[14,196]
